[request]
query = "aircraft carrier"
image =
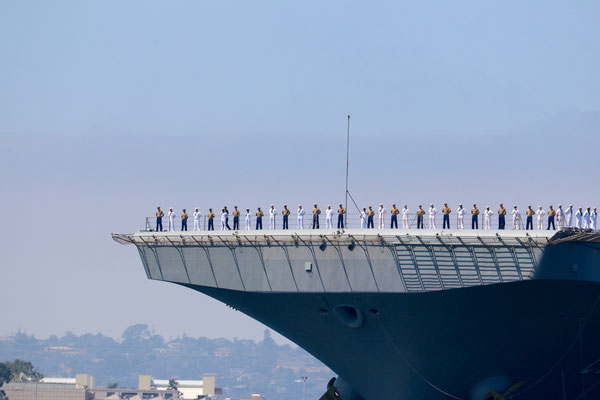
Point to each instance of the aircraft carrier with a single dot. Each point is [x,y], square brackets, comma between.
[410,314]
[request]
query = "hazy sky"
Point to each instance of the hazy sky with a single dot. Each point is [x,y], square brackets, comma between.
[110,108]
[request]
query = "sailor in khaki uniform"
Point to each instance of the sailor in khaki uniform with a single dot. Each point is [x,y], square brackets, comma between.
[316,213]
[184,219]
[475,217]
[446,215]
[460,213]
[394,211]
[551,215]
[341,211]
[211,219]
[420,214]
[381,216]
[159,216]
[405,214]
[540,218]
[259,216]
[301,213]
[370,215]
[236,219]
[530,213]
[501,217]
[286,215]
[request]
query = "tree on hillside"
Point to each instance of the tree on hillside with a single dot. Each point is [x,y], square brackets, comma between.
[4,377]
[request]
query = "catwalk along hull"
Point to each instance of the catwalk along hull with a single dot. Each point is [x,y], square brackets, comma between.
[427,316]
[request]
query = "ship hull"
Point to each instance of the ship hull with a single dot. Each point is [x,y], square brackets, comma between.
[541,335]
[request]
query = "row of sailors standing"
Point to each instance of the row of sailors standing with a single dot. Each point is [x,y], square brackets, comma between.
[583,219]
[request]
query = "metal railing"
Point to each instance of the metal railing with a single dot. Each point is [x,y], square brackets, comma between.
[353,221]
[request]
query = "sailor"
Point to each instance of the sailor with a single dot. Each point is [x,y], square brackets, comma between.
[475,217]
[225,219]
[540,218]
[248,225]
[341,211]
[578,216]
[516,215]
[171,214]
[487,218]
[394,211]
[236,219]
[370,215]
[432,214]
[405,213]
[329,218]
[159,216]
[460,214]
[594,219]
[211,219]
[316,213]
[301,213]
[569,216]
[587,218]
[420,213]
[529,223]
[286,214]
[259,216]
[551,215]
[197,216]
[501,217]
[363,218]
[381,215]
[272,214]
[560,217]
[184,218]
[446,216]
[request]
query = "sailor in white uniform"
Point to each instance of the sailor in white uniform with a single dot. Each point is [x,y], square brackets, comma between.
[197,215]
[487,218]
[272,214]
[516,214]
[460,215]
[329,218]
[363,219]
[560,217]
[224,216]
[594,218]
[381,215]
[248,224]
[432,214]
[587,218]
[578,216]
[540,217]
[301,213]
[569,215]
[171,226]
[405,213]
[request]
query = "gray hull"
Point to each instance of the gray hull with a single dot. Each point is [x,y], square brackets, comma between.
[413,317]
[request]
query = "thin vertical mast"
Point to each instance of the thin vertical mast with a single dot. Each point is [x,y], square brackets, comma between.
[347,167]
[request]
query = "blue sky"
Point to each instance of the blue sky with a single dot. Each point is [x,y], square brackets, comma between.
[110,108]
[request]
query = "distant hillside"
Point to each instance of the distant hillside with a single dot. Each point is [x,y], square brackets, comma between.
[241,367]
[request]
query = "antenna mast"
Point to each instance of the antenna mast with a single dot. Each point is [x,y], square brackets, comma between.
[347,167]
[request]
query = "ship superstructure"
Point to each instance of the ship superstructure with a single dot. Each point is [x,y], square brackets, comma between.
[409,314]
